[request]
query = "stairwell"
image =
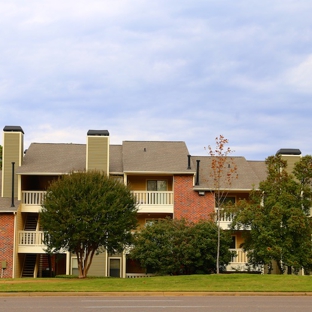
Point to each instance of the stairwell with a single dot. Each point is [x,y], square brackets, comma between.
[29,265]
[31,222]
[30,259]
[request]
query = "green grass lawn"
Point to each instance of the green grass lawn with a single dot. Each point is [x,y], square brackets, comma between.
[188,283]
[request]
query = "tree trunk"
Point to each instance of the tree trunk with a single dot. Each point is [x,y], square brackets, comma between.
[80,264]
[218,243]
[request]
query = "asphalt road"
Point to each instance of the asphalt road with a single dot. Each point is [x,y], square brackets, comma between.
[158,303]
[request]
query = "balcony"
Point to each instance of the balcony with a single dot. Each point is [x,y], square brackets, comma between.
[240,257]
[154,202]
[239,262]
[31,242]
[147,201]
[226,218]
[32,201]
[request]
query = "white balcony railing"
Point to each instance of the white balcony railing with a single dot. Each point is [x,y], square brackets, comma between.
[34,198]
[30,238]
[240,257]
[138,275]
[153,198]
[225,216]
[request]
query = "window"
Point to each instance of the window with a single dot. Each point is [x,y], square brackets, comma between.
[156,185]
[118,178]
[151,221]
[156,192]
[114,267]
[75,270]
[224,201]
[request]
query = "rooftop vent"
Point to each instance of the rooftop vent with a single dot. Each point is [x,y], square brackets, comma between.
[98,132]
[288,151]
[13,129]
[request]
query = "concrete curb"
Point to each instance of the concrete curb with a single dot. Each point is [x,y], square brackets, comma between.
[148,294]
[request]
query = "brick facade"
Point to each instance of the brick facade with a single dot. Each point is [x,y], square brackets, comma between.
[6,244]
[188,203]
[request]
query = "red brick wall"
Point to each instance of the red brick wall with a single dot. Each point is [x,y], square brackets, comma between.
[187,203]
[6,243]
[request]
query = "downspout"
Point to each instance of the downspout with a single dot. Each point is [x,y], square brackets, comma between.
[14,223]
[12,203]
[14,245]
[189,162]
[197,172]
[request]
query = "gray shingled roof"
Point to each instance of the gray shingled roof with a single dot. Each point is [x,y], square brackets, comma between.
[52,158]
[249,173]
[259,168]
[5,203]
[115,159]
[155,156]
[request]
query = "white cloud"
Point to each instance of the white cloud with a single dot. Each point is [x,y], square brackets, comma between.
[300,76]
[163,70]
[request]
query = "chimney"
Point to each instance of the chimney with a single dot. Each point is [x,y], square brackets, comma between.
[291,155]
[197,172]
[13,146]
[98,150]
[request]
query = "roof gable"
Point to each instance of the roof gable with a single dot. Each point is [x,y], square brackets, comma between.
[155,156]
[249,174]
[53,158]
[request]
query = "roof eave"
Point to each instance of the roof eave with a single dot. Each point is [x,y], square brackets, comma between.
[198,188]
[42,173]
[160,172]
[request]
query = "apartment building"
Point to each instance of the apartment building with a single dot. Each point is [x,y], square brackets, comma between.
[165,179]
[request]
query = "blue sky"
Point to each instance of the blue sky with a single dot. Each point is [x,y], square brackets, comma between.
[160,70]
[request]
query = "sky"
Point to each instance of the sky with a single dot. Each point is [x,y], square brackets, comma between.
[177,70]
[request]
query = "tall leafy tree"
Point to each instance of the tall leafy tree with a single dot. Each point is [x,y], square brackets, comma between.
[180,247]
[277,217]
[86,213]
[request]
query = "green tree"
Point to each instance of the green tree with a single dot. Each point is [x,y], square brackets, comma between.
[86,213]
[180,247]
[277,217]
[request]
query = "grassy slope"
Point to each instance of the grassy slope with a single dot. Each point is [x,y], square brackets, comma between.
[191,283]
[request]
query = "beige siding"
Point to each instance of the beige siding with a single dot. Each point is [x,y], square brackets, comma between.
[98,153]
[98,265]
[12,152]
[291,160]
[239,238]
